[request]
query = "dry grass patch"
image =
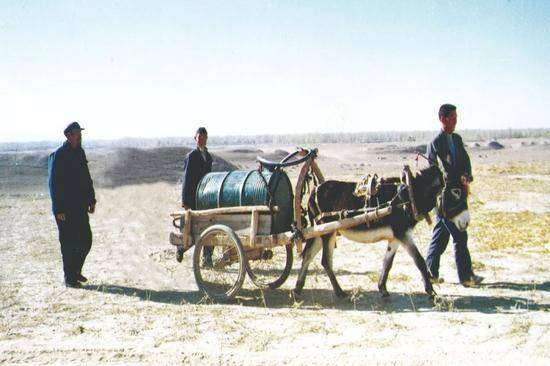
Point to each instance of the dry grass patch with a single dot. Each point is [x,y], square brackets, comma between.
[444,304]
[519,329]
[496,181]
[539,167]
[492,187]
[400,277]
[499,230]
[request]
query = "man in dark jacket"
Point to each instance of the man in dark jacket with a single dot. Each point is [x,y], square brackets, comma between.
[448,146]
[197,164]
[73,197]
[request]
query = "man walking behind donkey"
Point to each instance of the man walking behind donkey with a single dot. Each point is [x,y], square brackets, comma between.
[448,146]
[73,197]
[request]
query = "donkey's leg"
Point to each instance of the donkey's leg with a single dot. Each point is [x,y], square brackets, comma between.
[386,266]
[329,242]
[310,251]
[410,247]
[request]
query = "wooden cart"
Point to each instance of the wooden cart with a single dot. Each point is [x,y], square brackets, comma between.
[240,239]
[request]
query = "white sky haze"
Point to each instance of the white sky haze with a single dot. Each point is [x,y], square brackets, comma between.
[162,68]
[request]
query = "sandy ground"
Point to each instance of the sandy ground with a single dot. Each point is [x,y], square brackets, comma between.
[141,307]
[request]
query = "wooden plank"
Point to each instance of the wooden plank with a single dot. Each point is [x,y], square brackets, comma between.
[176,238]
[235,221]
[317,172]
[268,241]
[262,241]
[187,228]
[254,221]
[318,230]
[225,210]
[330,227]
[298,201]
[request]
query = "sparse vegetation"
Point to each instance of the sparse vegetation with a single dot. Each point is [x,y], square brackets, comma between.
[501,230]
[494,230]
[142,307]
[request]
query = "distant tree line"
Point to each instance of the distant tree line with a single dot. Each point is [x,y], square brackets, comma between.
[355,137]
[290,139]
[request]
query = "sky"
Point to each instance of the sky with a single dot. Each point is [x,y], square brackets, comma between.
[163,68]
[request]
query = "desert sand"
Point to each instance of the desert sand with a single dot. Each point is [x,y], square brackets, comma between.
[141,307]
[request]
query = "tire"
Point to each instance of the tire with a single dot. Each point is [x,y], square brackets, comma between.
[224,277]
[270,273]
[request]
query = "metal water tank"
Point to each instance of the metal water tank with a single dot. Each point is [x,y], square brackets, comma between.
[249,188]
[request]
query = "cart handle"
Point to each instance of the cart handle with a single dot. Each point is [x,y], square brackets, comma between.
[271,165]
[179,218]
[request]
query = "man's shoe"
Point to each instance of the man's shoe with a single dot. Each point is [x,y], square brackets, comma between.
[436,280]
[473,281]
[72,284]
[179,253]
[477,279]
[81,278]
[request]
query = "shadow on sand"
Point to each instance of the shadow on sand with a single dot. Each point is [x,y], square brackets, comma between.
[164,297]
[545,286]
[316,299]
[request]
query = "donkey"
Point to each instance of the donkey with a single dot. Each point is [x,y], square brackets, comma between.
[396,228]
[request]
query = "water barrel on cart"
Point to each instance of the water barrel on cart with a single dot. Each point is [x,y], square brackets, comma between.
[249,188]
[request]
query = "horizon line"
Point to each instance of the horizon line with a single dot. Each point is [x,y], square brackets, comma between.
[281,134]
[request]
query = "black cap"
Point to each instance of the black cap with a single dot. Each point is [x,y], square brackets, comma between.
[72,126]
[201,130]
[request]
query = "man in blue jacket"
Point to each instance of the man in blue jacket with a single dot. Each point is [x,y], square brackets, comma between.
[197,164]
[448,146]
[73,197]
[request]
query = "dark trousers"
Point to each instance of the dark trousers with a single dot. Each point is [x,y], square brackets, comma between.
[443,229]
[207,251]
[75,237]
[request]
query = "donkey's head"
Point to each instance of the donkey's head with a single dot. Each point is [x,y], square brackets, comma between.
[453,203]
[433,190]
[427,185]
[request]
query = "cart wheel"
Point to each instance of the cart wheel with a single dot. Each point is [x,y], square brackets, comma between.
[269,268]
[221,274]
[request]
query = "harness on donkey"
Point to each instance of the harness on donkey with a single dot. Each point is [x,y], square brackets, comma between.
[370,188]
